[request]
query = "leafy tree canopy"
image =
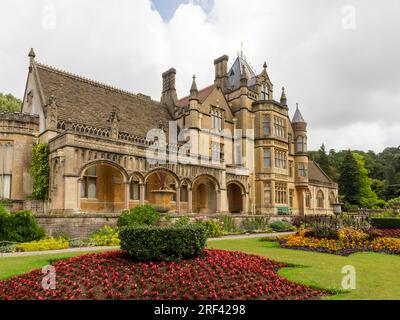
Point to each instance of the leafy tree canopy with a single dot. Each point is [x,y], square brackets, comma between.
[9,103]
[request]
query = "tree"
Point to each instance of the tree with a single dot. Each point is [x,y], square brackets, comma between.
[9,103]
[367,197]
[323,161]
[350,179]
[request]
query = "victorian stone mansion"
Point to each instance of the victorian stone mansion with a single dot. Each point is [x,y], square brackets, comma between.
[98,139]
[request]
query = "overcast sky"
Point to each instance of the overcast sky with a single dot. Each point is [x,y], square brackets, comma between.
[339,59]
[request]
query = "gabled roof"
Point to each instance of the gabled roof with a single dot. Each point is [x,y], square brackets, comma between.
[202,95]
[315,173]
[235,72]
[84,101]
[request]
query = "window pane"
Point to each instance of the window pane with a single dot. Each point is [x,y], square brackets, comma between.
[135,192]
[83,188]
[92,188]
[7,187]
[91,171]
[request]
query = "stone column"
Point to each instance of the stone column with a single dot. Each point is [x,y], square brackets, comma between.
[218,205]
[71,194]
[178,200]
[190,200]
[244,203]
[142,187]
[127,195]
[79,194]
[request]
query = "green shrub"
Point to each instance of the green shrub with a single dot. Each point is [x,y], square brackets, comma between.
[281,226]
[147,243]
[228,224]
[43,245]
[385,223]
[255,224]
[183,221]
[323,231]
[19,227]
[8,248]
[141,215]
[40,171]
[213,229]
[106,236]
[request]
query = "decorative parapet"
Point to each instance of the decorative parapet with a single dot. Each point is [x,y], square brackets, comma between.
[15,122]
[323,184]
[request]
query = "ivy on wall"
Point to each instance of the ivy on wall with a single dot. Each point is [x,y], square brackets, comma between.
[40,171]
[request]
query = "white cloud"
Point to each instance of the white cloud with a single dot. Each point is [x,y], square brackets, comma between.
[345,80]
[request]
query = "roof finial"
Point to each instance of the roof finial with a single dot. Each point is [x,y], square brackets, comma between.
[283,97]
[32,56]
[241,49]
[193,90]
[32,53]
[265,66]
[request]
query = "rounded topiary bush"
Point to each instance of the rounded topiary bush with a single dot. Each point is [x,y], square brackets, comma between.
[151,243]
[140,215]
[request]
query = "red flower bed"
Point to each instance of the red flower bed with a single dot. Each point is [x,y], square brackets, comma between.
[388,233]
[217,275]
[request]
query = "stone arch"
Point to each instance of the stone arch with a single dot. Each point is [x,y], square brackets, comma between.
[103,187]
[236,193]
[212,178]
[186,181]
[170,172]
[332,198]
[137,175]
[105,162]
[164,197]
[320,199]
[205,194]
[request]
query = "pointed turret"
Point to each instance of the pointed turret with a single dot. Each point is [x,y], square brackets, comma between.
[243,77]
[283,97]
[298,117]
[193,90]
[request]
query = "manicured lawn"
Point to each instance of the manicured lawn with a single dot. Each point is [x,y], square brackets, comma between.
[377,275]
[13,266]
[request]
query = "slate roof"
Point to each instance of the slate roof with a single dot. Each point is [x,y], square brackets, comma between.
[298,117]
[315,173]
[84,101]
[235,71]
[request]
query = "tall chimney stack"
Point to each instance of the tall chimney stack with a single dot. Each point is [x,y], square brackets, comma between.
[221,72]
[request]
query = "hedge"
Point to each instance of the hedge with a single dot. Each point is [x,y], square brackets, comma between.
[386,223]
[151,243]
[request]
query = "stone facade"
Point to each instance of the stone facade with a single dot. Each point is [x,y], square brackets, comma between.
[233,148]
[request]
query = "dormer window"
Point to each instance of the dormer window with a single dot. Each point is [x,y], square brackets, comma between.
[264,92]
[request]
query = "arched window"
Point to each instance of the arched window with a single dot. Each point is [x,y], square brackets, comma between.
[308,199]
[135,189]
[332,198]
[184,193]
[301,144]
[264,92]
[89,184]
[320,200]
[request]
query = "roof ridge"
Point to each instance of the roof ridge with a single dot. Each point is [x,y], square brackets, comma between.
[324,173]
[92,82]
[201,90]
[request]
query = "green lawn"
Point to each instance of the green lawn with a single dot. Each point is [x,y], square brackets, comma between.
[377,275]
[12,266]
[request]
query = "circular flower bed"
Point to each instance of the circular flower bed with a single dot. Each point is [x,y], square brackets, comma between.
[217,275]
[343,246]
